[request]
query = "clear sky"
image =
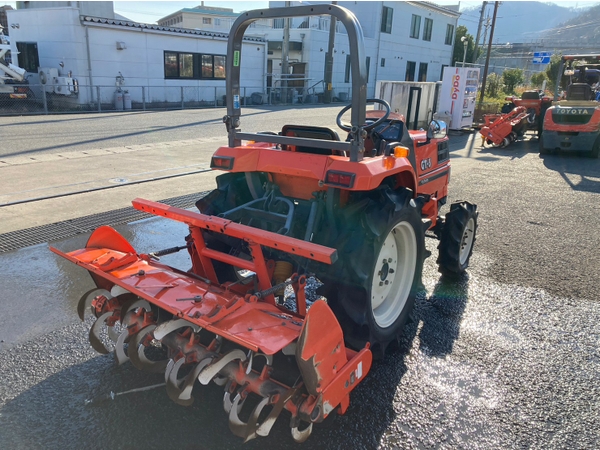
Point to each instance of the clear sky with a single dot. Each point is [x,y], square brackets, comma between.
[151,11]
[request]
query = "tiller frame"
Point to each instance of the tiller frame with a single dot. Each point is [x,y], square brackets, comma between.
[243,320]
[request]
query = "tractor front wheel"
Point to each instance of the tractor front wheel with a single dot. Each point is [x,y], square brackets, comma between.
[457,238]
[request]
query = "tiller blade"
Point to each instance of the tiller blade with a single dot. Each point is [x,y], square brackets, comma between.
[192,328]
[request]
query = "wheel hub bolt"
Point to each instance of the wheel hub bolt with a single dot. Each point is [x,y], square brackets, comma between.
[387,282]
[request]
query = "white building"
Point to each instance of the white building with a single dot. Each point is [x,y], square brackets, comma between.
[208,18]
[404,41]
[158,64]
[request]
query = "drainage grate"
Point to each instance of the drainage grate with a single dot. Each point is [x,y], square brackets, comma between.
[69,228]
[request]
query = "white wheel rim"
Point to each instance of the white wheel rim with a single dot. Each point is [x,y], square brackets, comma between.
[467,241]
[393,274]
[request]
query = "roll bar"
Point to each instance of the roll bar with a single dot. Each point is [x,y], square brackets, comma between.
[357,66]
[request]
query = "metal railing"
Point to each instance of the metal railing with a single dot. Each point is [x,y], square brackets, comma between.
[45,99]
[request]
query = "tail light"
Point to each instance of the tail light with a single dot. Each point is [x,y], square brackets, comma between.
[21,89]
[336,178]
[221,162]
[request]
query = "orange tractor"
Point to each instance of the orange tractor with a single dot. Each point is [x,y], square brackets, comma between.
[293,208]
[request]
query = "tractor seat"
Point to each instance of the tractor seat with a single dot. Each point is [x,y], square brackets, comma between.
[310,132]
[579,91]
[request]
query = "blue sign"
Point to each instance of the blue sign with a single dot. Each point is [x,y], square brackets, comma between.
[541,57]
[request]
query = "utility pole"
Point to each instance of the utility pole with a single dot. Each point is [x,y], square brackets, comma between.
[479,32]
[328,76]
[489,51]
[487,24]
[285,46]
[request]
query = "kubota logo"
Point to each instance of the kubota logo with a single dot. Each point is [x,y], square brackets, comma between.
[455,85]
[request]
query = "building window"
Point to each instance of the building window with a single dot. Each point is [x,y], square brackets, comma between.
[368,65]
[206,20]
[449,34]
[415,26]
[423,72]
[194,65]
[347,73]
[386,19]
[382,62]
[427,29]
[219,66]
[171,66]
[278,23]
[218,22]
[28,56]
[410,71]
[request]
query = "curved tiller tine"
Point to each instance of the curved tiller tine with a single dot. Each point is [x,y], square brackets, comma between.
[137,353]
[246,430]
[268,360]
[265,428]
[94,335]
[211,371]
[190,380]
[301,435]
[113,334]
[173,382]
[132,304]
[228,402]
[86,300]
[120,355]
[168,327]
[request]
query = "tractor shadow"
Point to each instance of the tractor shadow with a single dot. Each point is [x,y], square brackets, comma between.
[580,172]
[440,315]
[374,406]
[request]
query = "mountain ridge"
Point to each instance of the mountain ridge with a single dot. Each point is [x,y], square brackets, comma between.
[514,21]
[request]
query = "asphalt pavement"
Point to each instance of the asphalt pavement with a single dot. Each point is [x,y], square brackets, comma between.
[506,357]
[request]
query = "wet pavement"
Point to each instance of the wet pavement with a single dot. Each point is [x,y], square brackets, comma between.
[507,357]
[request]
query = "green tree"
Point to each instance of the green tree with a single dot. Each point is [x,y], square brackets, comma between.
[493,85]
[511,79]
[459,48]
[552,71]
[537,79]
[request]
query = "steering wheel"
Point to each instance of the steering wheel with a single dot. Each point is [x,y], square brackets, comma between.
[370,126]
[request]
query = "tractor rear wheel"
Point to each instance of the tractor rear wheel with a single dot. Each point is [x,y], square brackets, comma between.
[382,260]
[457,239]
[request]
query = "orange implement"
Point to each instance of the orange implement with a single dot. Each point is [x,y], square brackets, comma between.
[184,308]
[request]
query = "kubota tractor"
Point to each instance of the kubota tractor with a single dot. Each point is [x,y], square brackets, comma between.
[294,207]
[573,125]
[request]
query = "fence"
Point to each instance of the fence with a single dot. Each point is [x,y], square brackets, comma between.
[46,99]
